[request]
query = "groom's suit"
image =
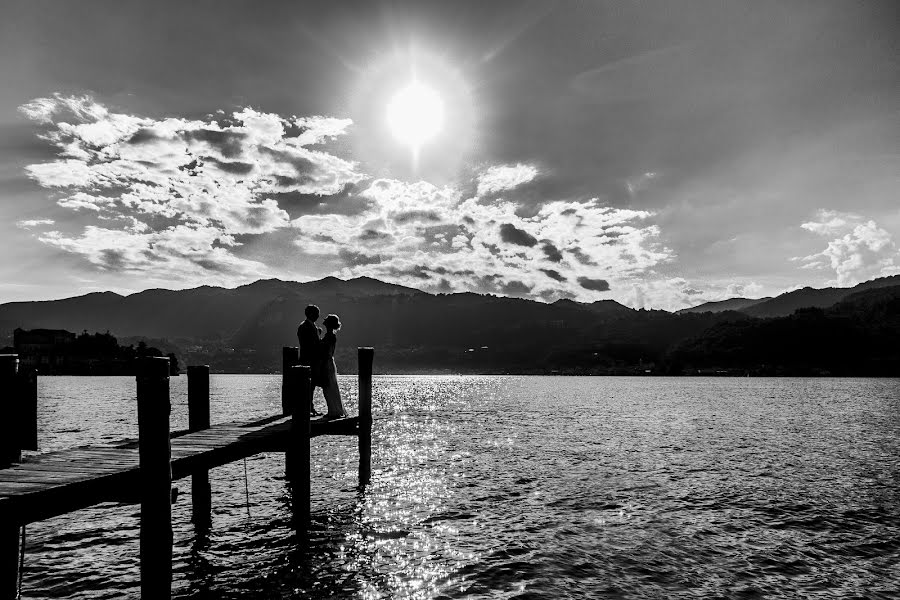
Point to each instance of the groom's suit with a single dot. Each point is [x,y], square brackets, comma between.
[310,354]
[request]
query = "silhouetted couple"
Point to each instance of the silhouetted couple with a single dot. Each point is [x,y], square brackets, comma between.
[318,354]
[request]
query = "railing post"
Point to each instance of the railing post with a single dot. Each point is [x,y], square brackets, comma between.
[297,455]
[10,452]
[154,408]
[290,356]
[198,419]
[365,357]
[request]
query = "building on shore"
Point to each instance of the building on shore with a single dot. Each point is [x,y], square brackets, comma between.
[61,352]
[46,350]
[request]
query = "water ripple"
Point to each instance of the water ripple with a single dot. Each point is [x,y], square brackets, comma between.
[518,487]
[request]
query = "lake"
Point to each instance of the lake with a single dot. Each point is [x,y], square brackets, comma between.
[517,487]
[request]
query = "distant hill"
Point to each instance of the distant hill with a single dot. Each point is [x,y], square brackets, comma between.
[600,307]
[243,329]
[738,304]
[199,313]
[786,304]
[856,336]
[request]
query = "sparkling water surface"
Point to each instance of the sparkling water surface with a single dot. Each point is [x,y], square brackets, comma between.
[516,487]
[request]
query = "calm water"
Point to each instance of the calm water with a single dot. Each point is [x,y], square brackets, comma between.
[519,487]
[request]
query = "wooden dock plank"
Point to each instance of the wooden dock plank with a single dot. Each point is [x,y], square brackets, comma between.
[59,482]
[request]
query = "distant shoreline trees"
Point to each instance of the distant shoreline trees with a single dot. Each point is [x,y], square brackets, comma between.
[60,352]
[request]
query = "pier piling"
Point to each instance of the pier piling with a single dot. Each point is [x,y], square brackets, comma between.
[18,401]
[365,357]
[57,483]
[10,452]
[297,454]
[198,420]
[290,356]
[154,408]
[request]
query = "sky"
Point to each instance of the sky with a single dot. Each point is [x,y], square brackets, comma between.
[661,154]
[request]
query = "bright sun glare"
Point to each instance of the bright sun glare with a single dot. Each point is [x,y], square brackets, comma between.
[415,114]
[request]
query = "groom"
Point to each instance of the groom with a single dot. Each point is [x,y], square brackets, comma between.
[311,350]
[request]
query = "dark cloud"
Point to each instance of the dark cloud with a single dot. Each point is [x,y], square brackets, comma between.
[215,266]
[353,259]
[228,143]
[553,274]
[301,164]
[373,235]
[113,260]
[143,136]
[553,295]
[552,252]
[610,235]
[511,234]
[582,257]
[515,288]
[417,271]
[429,216]
[596,285]
[443,287]
[230,166]
[346,202]
[691,291]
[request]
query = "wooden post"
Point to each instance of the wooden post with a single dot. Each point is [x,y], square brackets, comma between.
[198,397]
[154,408]
[365,357]
[10,452]
[26,416]
[10,449]
[290,356]
[198,419]
[297,455]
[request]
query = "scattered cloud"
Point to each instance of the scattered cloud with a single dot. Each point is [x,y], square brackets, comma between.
[860,249]
[494,180]
[635,185]
[742,290]
[553,274]
[173,193]
[29,223]
[597,285]
[511,234]
[451,243]
[179,199]
[552,252]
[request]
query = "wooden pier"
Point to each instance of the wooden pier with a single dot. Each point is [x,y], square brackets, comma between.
[142,470]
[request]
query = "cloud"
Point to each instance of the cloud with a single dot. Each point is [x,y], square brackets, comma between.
[178,252]
[182,199]
[552,274]
[597,285]
[744,290]
[29,223]
[635,185]
[428,237]
[511,234]
[860,250]
[552,252]
[515,288]
[501,178]
[180,190]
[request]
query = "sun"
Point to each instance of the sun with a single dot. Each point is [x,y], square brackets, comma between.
[415,115]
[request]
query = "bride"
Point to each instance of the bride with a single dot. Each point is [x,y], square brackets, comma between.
[330,388]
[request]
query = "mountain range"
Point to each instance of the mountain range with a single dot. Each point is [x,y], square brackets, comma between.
[787,303]
[242,329]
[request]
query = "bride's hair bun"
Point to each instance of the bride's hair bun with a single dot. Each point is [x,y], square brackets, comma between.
[332,321]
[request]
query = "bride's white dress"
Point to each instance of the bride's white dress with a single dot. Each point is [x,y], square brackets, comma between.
[330,388]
